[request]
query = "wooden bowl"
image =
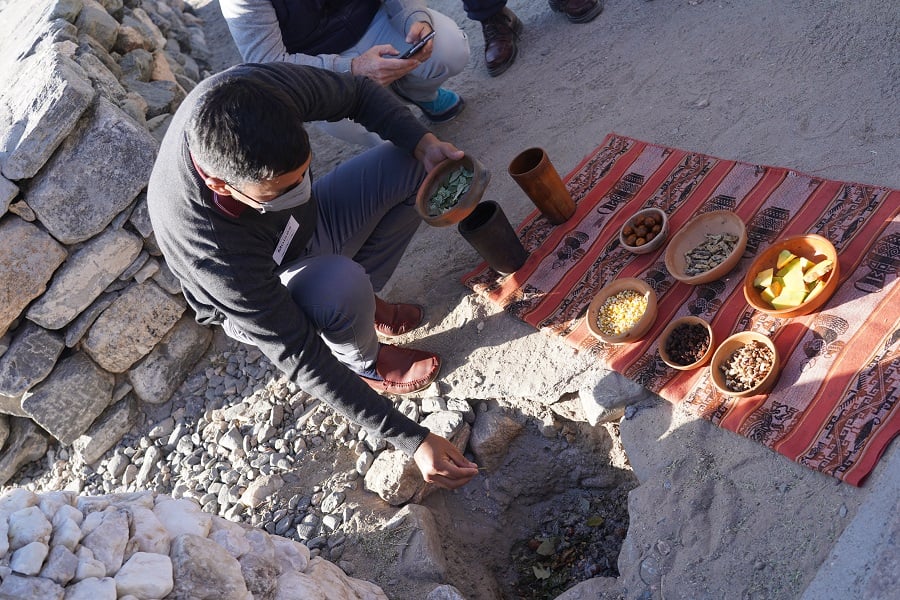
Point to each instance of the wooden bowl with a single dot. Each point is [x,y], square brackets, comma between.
[693,234]
[465,204]
[640,327]
[658,238]
[724,352]
[810,246]
[666,335]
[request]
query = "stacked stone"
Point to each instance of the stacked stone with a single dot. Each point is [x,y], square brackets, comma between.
[91,320]
[143,545]
[234,434]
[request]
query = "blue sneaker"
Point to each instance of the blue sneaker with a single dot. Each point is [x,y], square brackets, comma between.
[443,108]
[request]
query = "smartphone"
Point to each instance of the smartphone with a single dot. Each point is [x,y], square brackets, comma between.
[417,46]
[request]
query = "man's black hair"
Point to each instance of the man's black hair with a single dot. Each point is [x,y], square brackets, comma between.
[247,130]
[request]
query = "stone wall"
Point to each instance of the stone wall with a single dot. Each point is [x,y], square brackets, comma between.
[129,546]
[92,322]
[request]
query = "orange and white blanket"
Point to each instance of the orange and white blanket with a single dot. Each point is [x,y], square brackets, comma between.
[836,405]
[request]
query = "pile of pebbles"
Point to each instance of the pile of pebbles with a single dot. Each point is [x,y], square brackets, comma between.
[225,439]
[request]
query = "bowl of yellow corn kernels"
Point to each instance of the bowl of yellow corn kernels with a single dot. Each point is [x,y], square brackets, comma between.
[622,311]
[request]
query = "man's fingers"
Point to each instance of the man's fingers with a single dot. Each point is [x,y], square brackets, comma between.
[451,483]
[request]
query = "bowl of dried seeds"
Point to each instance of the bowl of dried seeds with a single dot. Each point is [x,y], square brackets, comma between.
[686,343]
[451,191]
[645,231]
[707,247]
[745,364]
[622,311]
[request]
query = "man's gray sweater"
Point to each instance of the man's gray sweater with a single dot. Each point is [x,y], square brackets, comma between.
[225,260]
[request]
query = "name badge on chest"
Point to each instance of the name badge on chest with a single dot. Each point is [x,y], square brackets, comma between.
[290,230]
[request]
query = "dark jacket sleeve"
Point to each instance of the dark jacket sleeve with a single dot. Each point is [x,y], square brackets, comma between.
[226,264]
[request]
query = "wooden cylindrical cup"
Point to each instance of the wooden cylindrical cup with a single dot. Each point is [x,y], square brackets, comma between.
[538,178]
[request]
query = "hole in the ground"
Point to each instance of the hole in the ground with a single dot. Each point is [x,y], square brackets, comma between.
[553,514]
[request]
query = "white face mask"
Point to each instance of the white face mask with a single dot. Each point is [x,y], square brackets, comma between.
[296,196]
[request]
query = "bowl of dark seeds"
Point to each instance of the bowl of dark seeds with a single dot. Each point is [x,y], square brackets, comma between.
[707,247]
[746,364]
[451,191]
[686,343]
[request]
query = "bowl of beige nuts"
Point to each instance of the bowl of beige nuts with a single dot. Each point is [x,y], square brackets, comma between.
[707,247]
[745,364]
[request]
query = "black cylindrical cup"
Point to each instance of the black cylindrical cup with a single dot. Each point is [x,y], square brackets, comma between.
[488,231]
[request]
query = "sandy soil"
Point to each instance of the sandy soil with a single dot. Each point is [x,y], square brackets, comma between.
[810,85]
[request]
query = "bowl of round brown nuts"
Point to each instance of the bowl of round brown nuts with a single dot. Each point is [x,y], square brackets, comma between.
[645,231]
[686,343]
[707,247]
[622,311]
[745,364]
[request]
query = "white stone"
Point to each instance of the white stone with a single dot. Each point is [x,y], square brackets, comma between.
[93,588]
[182,516]
[290,555]
[448,592]
[4,534]
[336,584]
[88,566]
[18,587]
[17,499]
[108,540]
[393,476]
[28,525]
[230,536]
[145,575]
[260,489]
[68,513]
[51,502]
[148,532]
[92,520]
[607,399]
[60,566]
[200,564]
[292,585]
[66,533]
[29,559]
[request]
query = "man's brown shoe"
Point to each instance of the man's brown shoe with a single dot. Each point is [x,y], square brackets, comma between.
[501,33]
[577,11]
[392,320]
[403,370]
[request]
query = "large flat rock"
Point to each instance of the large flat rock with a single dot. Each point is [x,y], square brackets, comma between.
[84,276]
[67,402]
[28,258]
[96,173]
[132,325]
[40,104]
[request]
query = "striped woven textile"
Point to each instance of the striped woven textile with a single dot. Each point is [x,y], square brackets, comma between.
[835,406]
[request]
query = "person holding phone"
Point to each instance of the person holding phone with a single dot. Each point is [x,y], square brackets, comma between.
[361,37]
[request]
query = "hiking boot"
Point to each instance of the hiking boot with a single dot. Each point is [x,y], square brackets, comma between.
[402,370]
[501,34]
[443,108]
[392,320]
[577,11]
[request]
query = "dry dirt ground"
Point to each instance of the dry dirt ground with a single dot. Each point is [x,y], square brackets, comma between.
[813,85]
